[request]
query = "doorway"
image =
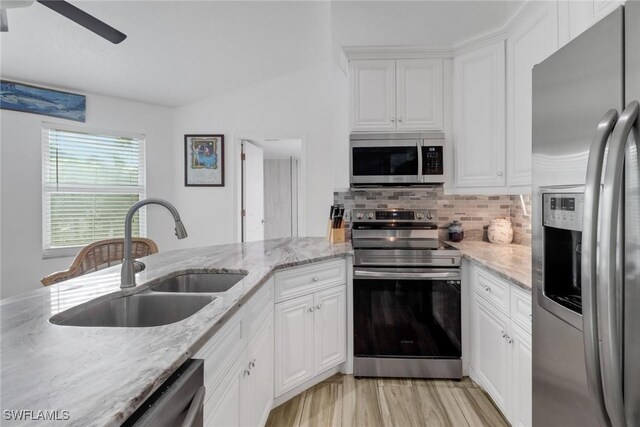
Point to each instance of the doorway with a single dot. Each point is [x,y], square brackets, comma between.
[271,187]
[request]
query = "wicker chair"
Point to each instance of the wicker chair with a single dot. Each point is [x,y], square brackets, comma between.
[99,255]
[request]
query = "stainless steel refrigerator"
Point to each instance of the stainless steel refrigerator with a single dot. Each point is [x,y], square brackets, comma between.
[586,228]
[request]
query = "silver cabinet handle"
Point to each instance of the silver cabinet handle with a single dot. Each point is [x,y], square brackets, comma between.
[499,173]
[252,364]
[608,330]
[247,372]
[318,307]
[509,340]
[487,288]
[589,261]
[399,119]
[504,334]
[311,309]
[315,278]
[392,120]
[194,408]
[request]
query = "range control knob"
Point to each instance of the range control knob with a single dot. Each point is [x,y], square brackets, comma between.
[419,215]
[359,215]
[429,216]
[370,215]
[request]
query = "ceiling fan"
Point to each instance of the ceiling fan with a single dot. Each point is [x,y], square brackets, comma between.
[68,11]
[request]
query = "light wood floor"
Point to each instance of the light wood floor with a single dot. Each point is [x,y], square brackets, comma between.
[345,401]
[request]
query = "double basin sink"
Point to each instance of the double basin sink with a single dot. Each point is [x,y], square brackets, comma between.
[170,301]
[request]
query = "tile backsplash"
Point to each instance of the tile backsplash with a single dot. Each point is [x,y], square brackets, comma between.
[474,211]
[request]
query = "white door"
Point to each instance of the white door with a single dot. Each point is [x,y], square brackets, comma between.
[223,407]
[419,94]
[479,128]
[491,353]
[531,42]
[293,343]
[373,95]
[330,327]
[260,383]
[252,192]
[521,396]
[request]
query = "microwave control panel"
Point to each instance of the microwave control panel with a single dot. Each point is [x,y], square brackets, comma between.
[432,160]
[563,210]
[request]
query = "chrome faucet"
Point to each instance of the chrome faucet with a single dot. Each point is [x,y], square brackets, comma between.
[129,265]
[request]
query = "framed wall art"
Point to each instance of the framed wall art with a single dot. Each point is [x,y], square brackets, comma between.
[39,100]
[204,160]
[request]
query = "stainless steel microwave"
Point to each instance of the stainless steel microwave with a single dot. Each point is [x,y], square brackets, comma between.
[396,158]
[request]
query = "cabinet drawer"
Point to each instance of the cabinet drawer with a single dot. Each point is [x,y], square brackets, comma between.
[521,308]
[309,278]
[221,351]
[493,289]
[258,308]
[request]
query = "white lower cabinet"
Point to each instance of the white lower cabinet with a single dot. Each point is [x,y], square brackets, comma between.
[501,360]
[239,366]
[491,352]
[522,381]
[294,343]
[310,336]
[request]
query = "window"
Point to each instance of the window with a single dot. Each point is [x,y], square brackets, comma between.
[90,180]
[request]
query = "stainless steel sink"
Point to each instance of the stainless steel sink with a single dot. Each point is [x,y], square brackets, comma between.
[135,311]
[199,282]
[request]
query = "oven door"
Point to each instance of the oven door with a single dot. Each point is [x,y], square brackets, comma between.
[386,162]
[407,313]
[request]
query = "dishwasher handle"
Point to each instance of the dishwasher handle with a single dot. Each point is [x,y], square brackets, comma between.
[195,408]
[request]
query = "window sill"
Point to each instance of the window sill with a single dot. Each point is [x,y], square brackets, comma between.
[61,252]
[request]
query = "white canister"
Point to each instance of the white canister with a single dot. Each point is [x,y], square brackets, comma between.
[500,231]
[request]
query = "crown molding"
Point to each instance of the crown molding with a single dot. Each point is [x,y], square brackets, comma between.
[485,38]
[396,52]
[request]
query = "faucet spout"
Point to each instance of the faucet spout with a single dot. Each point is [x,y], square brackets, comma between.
[129,265]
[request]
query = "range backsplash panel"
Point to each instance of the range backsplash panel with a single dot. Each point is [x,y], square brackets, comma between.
[474,211]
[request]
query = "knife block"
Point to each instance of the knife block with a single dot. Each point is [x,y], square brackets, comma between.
[336,235]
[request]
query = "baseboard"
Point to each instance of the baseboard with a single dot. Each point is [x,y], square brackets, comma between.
[307,385]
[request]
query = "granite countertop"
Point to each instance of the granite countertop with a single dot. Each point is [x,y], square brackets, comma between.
[101,375]
[512,262]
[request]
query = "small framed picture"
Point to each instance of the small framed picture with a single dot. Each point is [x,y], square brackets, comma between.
[204,160]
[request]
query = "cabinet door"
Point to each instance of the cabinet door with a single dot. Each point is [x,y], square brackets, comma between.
[293,343]
[479,90]
[521,398]
[373,95]
[259,390]
[491,353]
[531,41]
[223,407]
[330,327]
[419,94]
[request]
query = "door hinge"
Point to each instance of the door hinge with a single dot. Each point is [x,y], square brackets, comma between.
[243,212]
[243,157]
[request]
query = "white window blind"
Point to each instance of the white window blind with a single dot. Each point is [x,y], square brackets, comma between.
[90,180]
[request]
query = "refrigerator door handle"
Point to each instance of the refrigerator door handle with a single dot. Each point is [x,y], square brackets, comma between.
[609,334]
[589,260]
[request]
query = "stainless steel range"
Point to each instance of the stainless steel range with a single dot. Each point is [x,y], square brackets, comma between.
[407,300]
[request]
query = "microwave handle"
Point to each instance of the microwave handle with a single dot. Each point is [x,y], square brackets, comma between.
[419,149]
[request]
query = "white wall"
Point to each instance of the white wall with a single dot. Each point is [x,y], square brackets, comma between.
[22,265]
[294,105]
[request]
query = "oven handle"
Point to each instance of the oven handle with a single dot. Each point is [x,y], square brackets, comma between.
[407,275]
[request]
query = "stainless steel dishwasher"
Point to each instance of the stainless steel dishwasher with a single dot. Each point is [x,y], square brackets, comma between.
[178,402]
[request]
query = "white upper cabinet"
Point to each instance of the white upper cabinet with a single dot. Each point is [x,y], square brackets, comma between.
[373,95]
[390,95]
[575,16]
[531,41]
[479,117]
[419,94]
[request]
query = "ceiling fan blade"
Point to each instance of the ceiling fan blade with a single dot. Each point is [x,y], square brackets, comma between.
[83,18]
[4,23]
